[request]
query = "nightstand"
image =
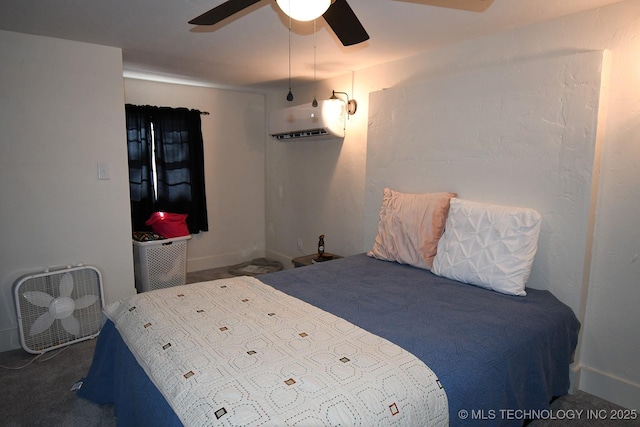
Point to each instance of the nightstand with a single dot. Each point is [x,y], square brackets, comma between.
[305,260]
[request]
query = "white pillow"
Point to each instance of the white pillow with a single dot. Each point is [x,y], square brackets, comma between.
[490,246]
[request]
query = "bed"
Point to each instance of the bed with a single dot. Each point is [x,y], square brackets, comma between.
[398,345]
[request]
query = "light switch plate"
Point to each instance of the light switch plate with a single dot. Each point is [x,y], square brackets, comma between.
[104,170]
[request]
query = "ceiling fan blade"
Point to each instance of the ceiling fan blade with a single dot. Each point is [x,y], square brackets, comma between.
[222,12]
[345,23]
[470,5]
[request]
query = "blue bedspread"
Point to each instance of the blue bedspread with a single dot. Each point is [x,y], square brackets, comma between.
[493,353]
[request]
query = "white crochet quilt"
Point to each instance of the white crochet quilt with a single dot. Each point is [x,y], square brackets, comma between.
[239,352]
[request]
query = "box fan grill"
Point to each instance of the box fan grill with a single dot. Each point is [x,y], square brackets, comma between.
[58,307]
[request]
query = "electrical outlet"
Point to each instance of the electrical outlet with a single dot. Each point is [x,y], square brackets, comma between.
[299,243]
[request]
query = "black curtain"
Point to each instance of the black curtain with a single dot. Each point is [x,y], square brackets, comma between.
[139,149]
[179,164]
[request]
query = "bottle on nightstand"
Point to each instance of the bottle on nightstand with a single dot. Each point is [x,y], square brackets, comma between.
[321,246]
[322,256]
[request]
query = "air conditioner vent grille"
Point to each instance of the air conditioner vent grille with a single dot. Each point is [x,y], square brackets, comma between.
[301,134]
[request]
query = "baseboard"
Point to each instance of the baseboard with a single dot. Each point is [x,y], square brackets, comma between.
[223,260]
[609,387]
[9,339]
[216,261]
[285,260]
[574,378]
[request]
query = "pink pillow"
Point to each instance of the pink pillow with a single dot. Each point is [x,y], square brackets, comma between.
[410,226]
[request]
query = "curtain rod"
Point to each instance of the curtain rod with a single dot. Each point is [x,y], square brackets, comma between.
[204,113]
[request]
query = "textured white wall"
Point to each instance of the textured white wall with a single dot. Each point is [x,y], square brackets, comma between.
[61,112]
[610,343]
[315,187]
[233,135]
[519,135]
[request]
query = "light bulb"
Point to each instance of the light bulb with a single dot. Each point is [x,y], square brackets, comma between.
[304,10]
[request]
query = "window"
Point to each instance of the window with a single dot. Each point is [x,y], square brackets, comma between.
[154,167]
[166,164]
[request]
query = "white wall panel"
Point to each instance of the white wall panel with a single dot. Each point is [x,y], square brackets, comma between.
[523,134]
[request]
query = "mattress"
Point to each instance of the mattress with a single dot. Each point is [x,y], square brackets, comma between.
[492,353]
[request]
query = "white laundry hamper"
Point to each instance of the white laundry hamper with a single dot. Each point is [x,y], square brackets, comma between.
[160,264]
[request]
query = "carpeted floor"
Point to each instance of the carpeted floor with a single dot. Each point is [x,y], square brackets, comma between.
[40,394]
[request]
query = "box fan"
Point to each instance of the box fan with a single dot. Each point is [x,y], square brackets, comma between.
[58,307]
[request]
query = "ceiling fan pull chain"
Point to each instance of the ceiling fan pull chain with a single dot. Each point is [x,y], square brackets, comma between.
[290,95]
[314,104]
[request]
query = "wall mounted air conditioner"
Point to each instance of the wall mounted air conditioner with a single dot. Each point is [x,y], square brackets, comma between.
[326,121]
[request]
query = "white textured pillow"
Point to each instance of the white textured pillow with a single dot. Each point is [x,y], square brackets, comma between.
[410,226]
[487,245]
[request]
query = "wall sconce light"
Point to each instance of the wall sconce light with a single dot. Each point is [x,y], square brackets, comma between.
[352,105]
[304,10]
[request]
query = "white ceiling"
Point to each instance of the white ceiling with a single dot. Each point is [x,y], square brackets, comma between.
[250,51]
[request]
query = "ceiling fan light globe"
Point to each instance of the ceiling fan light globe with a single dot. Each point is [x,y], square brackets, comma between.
[304,10]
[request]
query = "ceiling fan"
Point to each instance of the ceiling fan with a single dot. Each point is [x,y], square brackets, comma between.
[339,15]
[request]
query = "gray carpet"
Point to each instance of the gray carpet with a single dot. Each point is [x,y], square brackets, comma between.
[40,393]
